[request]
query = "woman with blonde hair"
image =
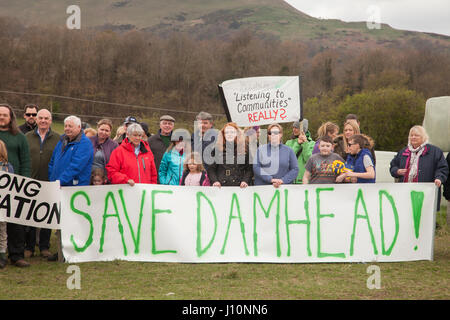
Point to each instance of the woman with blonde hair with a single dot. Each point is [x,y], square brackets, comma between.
[327,129]
[341,141]
[231,166]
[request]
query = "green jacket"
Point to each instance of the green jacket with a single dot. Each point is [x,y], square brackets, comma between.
[41,153]
[302,152]
[18,153]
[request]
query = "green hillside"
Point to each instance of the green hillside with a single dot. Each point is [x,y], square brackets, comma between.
[206,19]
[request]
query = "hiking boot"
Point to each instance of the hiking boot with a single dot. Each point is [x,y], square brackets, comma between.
[45,253]
[21,263]
[28,253]
[53,257]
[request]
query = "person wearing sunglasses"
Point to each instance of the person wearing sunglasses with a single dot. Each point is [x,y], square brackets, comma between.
[275,163]
[359,160]
[30,113]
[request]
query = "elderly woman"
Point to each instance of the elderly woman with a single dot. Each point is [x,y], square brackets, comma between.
[420,161]
[231,166]
[102,144]
[275,163]
[132,162]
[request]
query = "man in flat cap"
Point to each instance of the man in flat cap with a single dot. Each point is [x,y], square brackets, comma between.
[159,142]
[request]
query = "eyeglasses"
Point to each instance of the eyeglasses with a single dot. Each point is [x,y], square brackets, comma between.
[31,114]
[351,144]
[275,133]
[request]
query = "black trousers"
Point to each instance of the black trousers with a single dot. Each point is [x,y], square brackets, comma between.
[30,239]
[16,241]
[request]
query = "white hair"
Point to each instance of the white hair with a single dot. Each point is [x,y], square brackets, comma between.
[134,127]
[44,110]
[74,119]
[419,130]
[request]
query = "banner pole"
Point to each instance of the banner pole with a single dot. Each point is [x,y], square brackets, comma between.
[300,88]
[224,102]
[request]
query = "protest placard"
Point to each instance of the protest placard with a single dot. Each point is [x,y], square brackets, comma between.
[28,201]
[262,100]
[292,224]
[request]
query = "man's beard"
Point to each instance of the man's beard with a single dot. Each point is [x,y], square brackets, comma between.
[4,126]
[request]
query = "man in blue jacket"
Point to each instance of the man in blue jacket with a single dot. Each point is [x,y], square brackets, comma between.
[72,158]
[71,161]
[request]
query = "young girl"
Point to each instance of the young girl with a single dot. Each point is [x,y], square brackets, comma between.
[4,166]
[98,177]
[194,173]
[171,167]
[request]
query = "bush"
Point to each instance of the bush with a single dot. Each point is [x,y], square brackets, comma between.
[385,114]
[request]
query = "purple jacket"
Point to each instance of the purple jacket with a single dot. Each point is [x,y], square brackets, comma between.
[107,147]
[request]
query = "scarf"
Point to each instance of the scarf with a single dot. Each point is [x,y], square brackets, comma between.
[414,161]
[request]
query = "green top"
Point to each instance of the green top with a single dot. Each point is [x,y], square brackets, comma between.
[18,152]
[303,152]
[166,140]
[41,153]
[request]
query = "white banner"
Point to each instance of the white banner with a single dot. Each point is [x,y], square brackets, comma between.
[293,224]
[29,202]
[262,100]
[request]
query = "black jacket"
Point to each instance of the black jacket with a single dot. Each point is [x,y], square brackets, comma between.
[230,174]
[447,183]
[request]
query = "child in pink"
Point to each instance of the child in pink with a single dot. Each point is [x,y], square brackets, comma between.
[194,173]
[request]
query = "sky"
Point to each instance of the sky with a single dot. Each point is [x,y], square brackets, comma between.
[414,15]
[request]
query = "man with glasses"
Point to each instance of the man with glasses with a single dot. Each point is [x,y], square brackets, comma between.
[29,114]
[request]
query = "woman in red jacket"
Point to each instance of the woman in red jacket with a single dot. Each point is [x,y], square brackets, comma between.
[132,162]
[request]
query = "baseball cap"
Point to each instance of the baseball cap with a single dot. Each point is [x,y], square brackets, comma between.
[130,119]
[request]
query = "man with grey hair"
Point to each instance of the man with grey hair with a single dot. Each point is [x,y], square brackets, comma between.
[72,158]
[204,137]
[71,161]
[42,141]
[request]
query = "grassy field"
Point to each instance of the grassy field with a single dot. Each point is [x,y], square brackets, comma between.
[175,281]
[168,281]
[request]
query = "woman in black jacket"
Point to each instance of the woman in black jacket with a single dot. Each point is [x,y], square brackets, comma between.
[420,161]
[231,165]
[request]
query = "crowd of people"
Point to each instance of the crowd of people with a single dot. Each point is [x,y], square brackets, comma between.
[231,156]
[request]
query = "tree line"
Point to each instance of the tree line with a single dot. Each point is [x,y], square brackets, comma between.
[179,72]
